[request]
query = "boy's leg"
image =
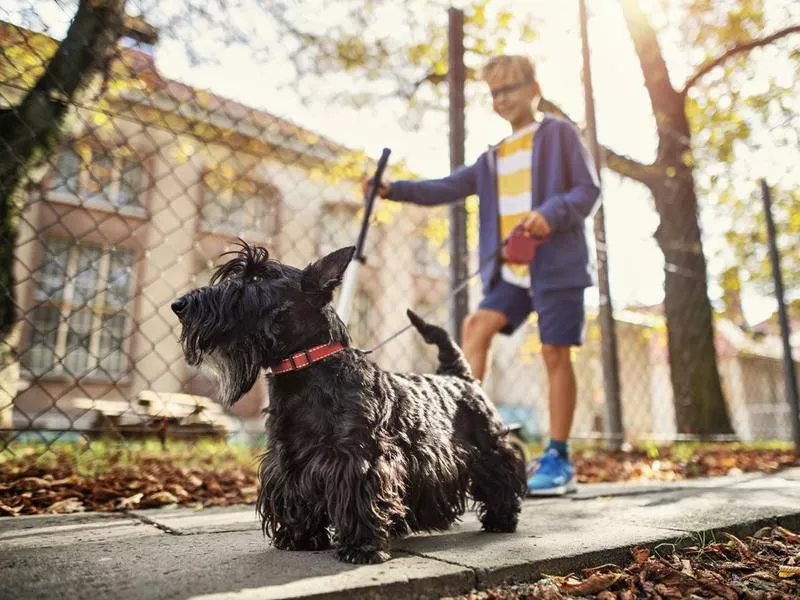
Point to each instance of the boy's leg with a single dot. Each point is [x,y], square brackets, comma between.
[563,392]
[476,338]
[503,310]
[561,322]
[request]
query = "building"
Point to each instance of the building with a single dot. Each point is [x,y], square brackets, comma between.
[156,181]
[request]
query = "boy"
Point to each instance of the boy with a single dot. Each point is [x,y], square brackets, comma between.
[542,177]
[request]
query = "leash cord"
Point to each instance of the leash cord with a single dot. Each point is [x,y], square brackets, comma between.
[447,298]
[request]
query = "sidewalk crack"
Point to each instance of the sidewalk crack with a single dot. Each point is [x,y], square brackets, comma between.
[151,522]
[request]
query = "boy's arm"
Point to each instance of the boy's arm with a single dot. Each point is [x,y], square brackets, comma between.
[568,210]
[431,192]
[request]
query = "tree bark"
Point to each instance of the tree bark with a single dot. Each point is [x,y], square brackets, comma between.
[699,401]
[30,131]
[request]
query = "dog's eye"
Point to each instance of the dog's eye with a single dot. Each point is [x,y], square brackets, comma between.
[255,278]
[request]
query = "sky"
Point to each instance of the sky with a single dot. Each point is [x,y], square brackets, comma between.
[264,79]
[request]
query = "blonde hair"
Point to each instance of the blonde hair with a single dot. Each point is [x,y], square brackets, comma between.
[509,63]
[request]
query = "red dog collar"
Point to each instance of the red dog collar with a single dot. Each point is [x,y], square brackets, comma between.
[302,359]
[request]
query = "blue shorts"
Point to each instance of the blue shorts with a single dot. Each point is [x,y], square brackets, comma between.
[561,312]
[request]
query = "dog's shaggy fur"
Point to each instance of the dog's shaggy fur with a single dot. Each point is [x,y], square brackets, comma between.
[352,449]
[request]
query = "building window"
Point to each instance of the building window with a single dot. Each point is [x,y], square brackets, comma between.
[240,208]
[99,177]
[80,320]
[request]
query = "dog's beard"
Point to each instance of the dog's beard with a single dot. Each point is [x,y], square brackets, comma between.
[235,374]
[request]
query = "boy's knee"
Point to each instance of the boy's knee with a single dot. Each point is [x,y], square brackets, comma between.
[470,327]
[556,357]
[477,327]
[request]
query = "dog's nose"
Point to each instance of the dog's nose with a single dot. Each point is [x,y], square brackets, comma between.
[178,306]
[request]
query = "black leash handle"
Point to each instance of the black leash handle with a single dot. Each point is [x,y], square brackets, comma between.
[371,193]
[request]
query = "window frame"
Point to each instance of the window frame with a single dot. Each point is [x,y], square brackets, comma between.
[66,307]
[215,186]
[82,195]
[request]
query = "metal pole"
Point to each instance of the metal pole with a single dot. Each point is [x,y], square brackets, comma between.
[777,276]
[614,430]
[456,76]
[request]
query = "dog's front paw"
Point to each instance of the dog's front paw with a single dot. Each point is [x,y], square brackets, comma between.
[494,523]
[500,527]
[362,555]
[284,540]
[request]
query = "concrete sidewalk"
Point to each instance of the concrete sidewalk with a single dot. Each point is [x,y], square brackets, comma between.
[220,553]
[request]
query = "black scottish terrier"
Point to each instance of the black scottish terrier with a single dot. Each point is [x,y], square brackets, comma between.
[353,451]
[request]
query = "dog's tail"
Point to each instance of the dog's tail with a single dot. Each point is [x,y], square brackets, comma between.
[451,358]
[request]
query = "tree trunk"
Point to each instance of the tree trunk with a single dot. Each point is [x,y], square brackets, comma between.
[28,133]
[699,402]
[9,381]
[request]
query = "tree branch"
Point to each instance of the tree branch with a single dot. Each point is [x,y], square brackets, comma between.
[35,124]
[738,49]
[33,128]
[437,79]
[626,166]
[663,96]
[620,164]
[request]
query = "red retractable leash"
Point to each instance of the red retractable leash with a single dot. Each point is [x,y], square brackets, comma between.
[520,248]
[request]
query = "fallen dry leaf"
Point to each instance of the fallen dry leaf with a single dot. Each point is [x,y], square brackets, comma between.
[711,581]
[130,502]
[734,566]
[31,483]
[158,498]
[194,481]
[67,505]
[669,592]
[178,491]
[792,537]
[594,584]
[686,568]
[787,571]
[763,532]
[744,551]
[9,511]
[760,575]
[640,555]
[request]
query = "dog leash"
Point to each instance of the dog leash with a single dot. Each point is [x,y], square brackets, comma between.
[447,298]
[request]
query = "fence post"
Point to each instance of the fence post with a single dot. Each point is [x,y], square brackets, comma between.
[456,75]
[777,276]
[608,333]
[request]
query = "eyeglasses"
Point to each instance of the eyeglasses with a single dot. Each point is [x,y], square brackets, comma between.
[507,89]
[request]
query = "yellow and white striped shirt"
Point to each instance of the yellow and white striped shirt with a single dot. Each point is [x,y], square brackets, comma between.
[514,192]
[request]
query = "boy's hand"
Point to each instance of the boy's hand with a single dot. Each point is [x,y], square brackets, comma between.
[535,224]
[384,188]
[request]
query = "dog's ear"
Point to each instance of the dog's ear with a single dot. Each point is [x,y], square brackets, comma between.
[321,277]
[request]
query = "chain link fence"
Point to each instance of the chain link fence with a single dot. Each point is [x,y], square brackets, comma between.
[160,171]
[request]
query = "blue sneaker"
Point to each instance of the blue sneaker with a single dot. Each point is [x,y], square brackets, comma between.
[551,475]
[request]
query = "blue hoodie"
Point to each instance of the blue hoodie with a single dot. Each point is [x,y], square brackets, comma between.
[564,190]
